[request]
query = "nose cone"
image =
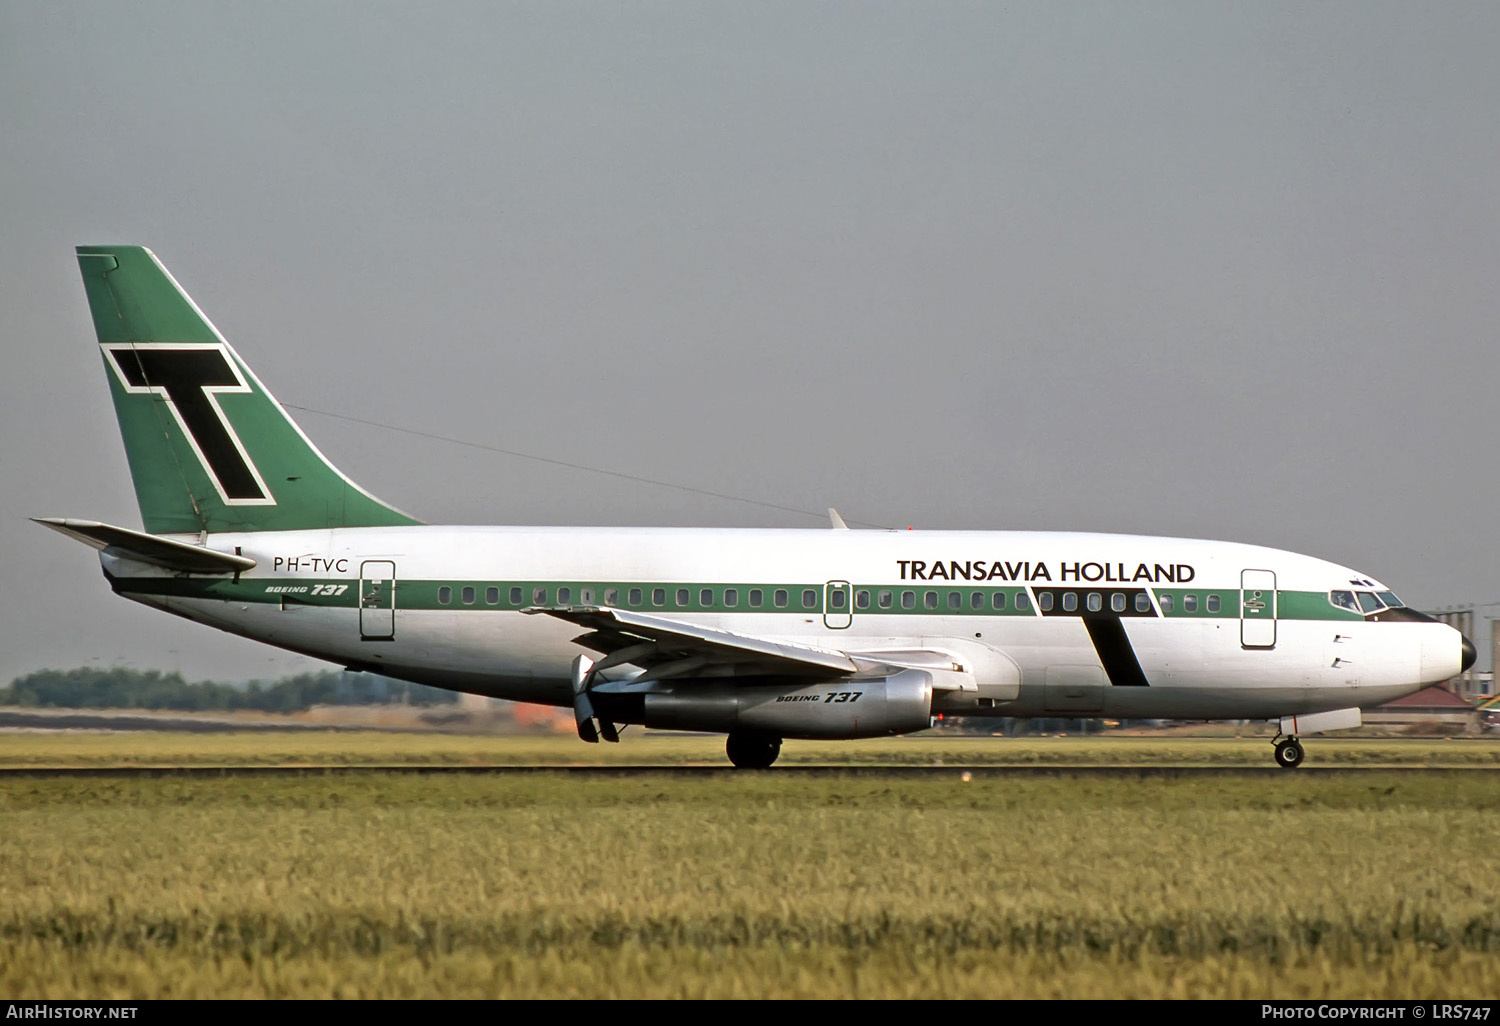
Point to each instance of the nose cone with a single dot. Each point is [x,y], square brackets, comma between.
[1442,659]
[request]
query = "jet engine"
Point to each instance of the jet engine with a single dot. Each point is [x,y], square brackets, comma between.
[838,709]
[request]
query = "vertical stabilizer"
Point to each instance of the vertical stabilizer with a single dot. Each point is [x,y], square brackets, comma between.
[209,448]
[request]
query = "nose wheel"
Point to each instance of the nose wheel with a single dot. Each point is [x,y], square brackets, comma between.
[1289,753]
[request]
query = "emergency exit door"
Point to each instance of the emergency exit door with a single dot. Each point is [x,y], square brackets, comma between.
[837,614]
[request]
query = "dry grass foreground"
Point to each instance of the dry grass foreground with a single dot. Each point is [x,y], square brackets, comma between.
[538,885]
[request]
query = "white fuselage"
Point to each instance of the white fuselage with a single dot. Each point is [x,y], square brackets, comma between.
[1155,627]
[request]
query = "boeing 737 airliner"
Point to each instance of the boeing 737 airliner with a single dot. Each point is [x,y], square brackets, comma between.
[758,634]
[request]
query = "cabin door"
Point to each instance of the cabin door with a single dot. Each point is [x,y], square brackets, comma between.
[1257,609]
[377,600]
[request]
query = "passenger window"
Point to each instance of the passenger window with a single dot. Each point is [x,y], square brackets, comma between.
[611,596]
[836,599]
[930,600]
[756,597]
[564,596]
[683,596]
[1165,601]
[492,596]
[445,594]
[976,600]
[586,596]
[1023,601]
[1142,602]
[908,600]
[1190,603]
[780,598]
[659,596]
[883,599]
[706,597]
[997,600]
[1095,602]
[809,599]
[1044,602]
[515,596]
[862,599]
[1213,603]
[731,596]
[1117,602]
[468,594]
[539,596]
[635,596]
[955,600]
[1070,601]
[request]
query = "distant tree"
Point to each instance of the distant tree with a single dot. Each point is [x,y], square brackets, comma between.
[122,688]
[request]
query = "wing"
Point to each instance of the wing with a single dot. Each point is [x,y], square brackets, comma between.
[670,648]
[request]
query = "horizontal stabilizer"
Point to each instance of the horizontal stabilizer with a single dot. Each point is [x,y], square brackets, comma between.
[148,548]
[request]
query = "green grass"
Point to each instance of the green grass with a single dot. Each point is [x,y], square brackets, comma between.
[647,885]
[372,748]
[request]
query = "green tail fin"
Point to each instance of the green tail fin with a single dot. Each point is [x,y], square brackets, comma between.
[209,448]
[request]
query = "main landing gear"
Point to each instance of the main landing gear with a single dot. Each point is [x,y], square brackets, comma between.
[1289,753]
[750,749]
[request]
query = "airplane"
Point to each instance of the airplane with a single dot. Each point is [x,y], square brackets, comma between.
[758,634]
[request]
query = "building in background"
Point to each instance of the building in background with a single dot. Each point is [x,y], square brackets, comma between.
[1434,707]
[1472,683]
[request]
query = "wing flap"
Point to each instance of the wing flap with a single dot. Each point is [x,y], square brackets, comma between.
[673,648]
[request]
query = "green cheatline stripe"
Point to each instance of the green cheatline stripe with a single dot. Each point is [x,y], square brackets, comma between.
[1310,605]
[677,597]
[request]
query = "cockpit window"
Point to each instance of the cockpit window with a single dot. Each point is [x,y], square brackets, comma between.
[1365,602]
[1344,600]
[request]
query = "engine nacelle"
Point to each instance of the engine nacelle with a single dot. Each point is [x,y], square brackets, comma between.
[868,707]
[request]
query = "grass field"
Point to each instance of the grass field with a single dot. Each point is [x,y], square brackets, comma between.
[370,884]
[372,748]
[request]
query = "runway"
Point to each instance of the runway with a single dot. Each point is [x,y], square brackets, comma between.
[957,773]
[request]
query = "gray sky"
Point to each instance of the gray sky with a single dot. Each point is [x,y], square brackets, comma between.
[1226,271]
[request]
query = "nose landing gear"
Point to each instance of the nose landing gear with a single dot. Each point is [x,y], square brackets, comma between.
[1289,753]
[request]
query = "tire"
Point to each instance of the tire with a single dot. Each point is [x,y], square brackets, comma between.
[1289,754]
[750,750]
